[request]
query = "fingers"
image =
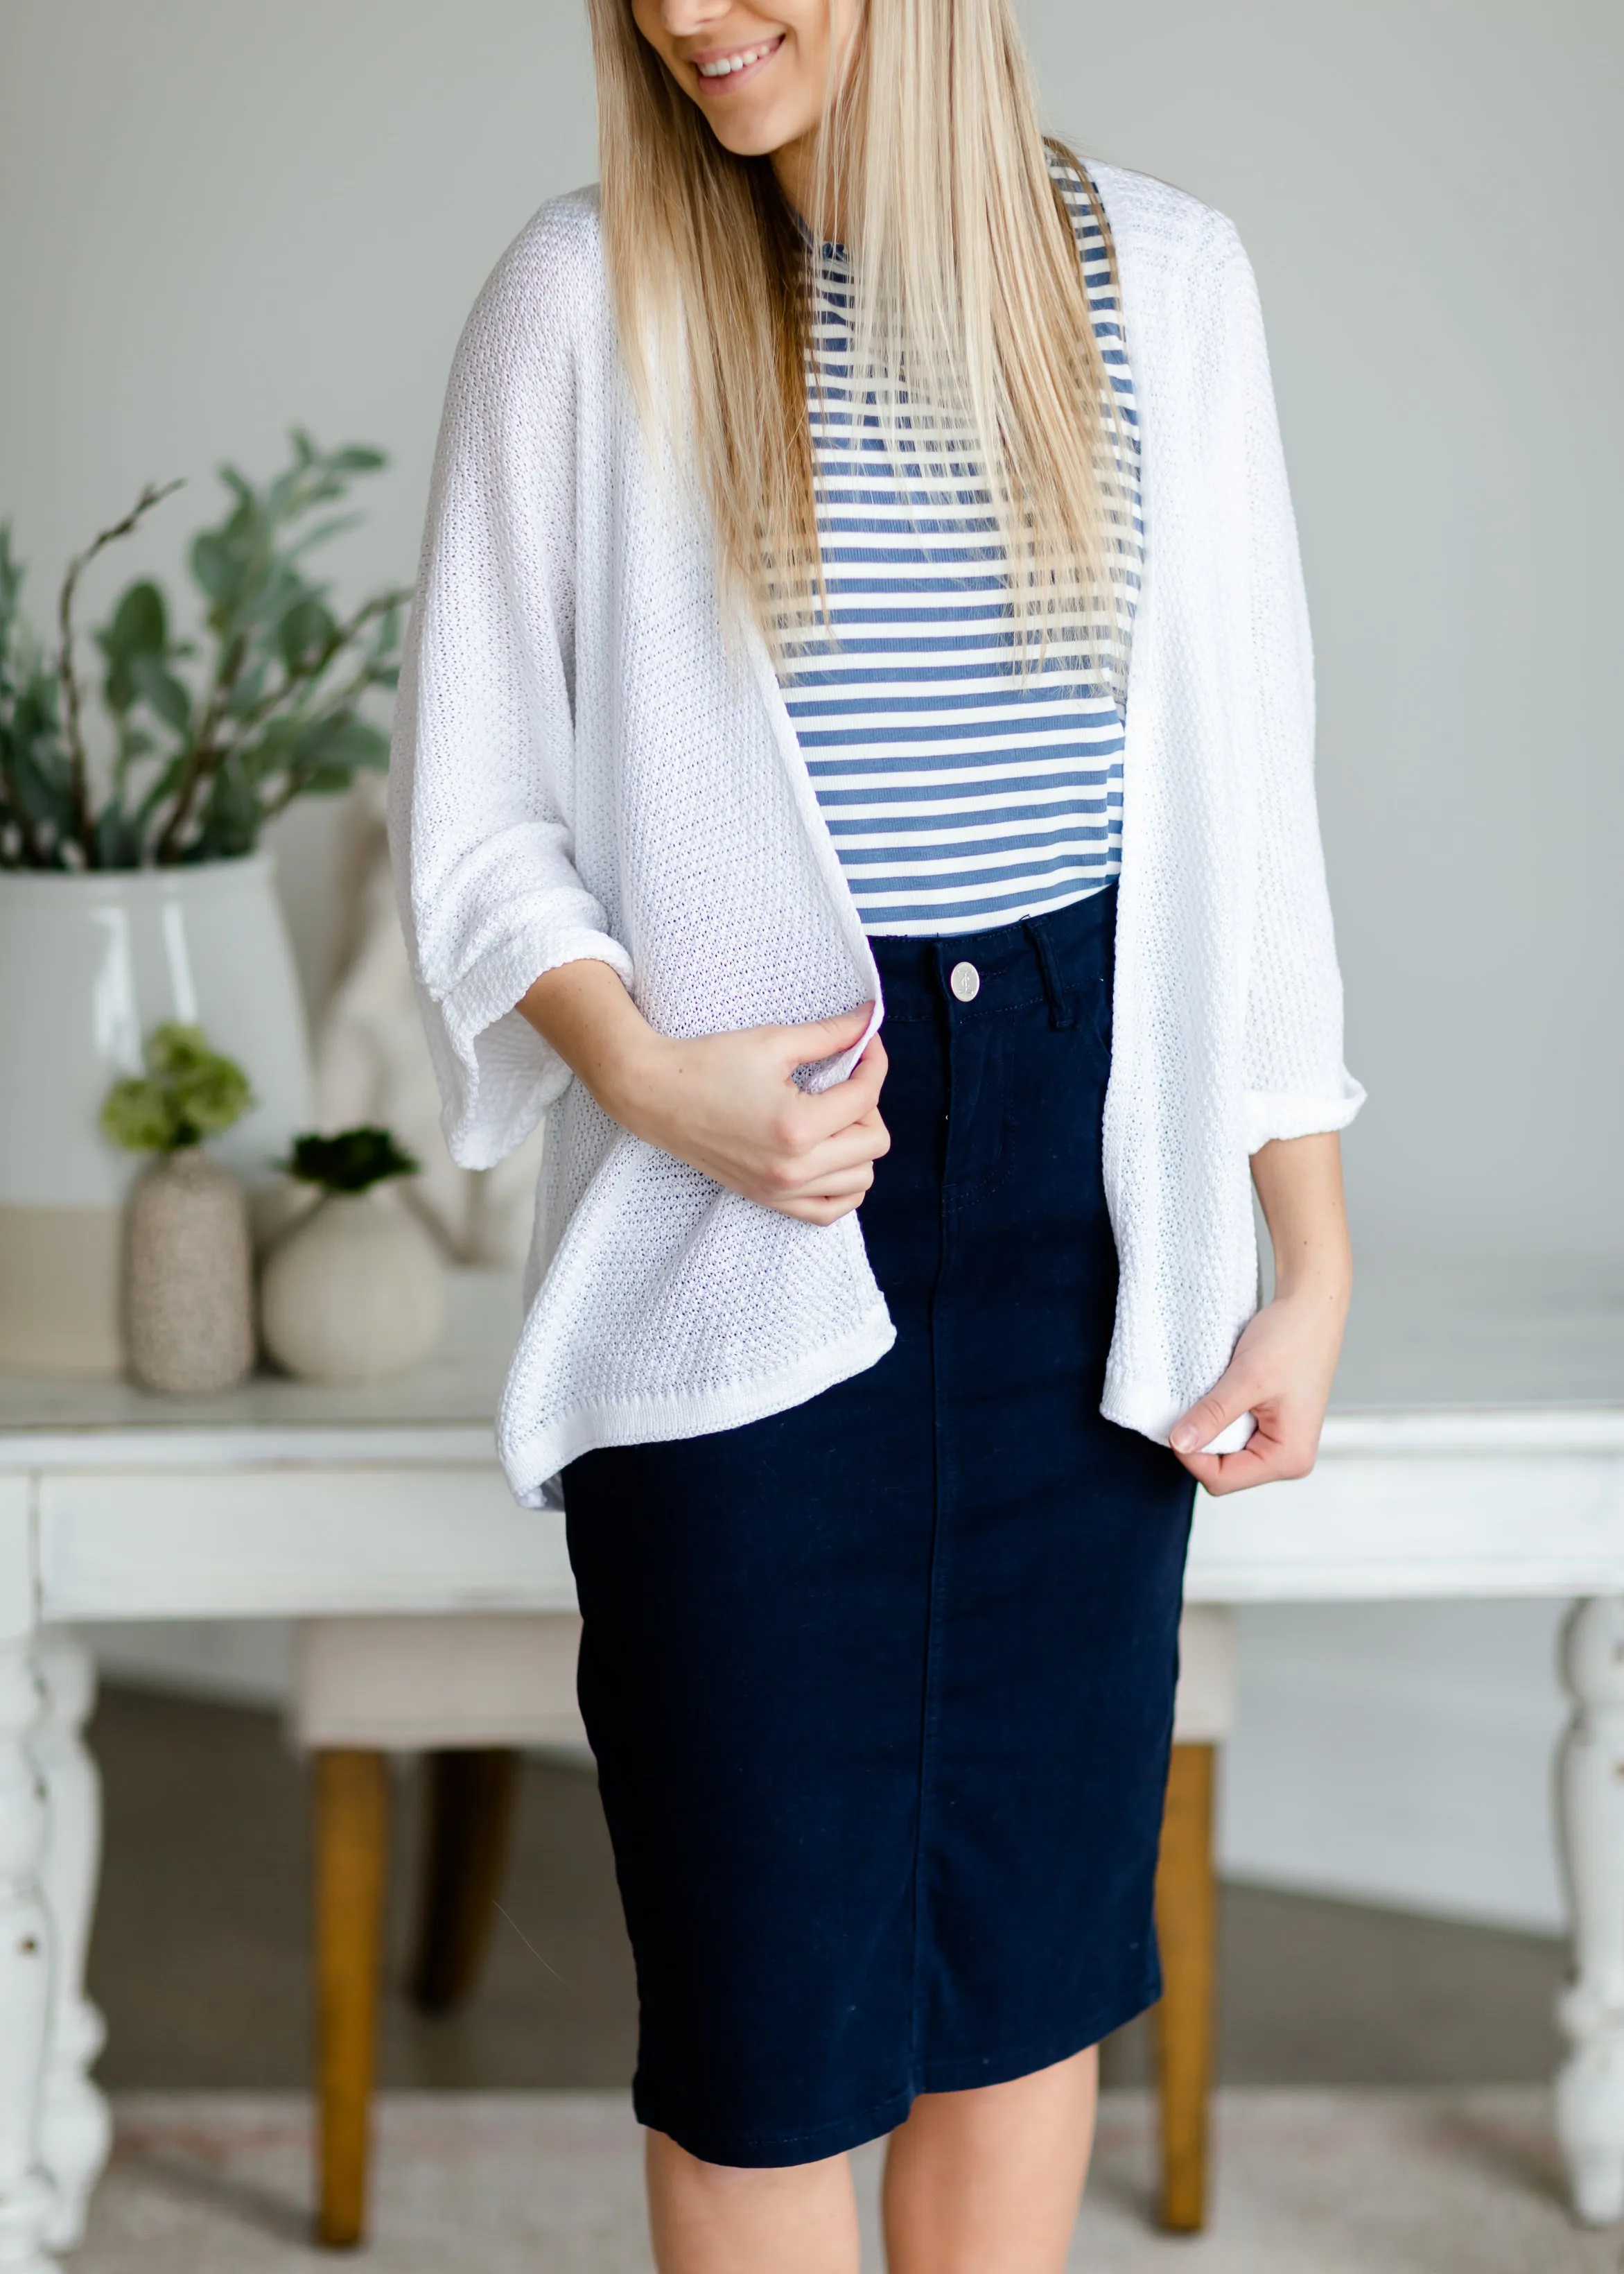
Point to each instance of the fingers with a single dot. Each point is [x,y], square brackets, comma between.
[1226,1401]
[812,1119]
[824,1038]
[1282,1446]
[841,1164]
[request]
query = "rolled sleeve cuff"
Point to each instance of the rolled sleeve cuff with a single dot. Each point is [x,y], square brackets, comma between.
[1273,1113]
[502,1075]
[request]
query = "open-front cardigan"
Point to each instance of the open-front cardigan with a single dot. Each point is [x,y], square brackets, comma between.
[587,764]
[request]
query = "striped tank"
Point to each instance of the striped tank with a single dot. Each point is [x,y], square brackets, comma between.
[958,795]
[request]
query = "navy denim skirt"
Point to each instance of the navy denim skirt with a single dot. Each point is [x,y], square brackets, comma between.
[880,1688]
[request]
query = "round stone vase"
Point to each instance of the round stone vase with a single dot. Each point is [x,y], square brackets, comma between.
[91,963]
[188,1280]
[353,1292]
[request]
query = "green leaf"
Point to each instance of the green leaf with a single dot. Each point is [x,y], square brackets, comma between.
[41,786]
[215,565]
[304,632]
[231,817]
[188,1092]
[164,788]
[359,458]
[342,740]
[118,841]
[350,1160]
[136,1115]
[323,532]
[139,625]
[168,695]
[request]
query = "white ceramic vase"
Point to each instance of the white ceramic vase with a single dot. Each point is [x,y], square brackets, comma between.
[354,1293]
[89,964]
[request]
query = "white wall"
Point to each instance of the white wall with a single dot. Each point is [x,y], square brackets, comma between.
[218,220]
[1430,195]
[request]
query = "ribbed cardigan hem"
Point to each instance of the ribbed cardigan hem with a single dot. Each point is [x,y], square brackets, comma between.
[533,1463]
[1152,1408]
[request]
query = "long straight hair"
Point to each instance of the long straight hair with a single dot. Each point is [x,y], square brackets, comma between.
[970,329]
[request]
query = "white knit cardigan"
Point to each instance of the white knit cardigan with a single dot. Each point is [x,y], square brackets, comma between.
[587,765]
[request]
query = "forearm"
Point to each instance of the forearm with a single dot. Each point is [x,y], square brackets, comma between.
[727,1104]
[585,1010]
[1299,1184]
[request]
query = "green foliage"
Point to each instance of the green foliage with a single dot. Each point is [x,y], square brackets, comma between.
[350,1161]
[188,1093]
[212,737]
[37,813]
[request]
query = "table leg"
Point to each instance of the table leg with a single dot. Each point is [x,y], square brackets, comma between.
[25,1970]
[1590,2090]
[76,2130]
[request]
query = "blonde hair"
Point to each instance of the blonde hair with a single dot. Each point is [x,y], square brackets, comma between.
[967,293]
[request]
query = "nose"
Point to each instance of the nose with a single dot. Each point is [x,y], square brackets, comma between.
[683,18]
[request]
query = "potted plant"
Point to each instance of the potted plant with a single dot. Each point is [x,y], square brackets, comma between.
[133,887]
[188,1278]
[354,1292]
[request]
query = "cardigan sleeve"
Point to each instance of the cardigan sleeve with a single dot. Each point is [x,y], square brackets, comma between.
[482,776]
[1295,1081]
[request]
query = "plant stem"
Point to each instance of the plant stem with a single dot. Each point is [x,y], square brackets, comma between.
[204,756]
[341,637]
[79,763]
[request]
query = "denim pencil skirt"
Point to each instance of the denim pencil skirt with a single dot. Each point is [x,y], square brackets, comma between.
[880,1688]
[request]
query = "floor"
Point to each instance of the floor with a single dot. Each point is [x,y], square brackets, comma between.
[1312,2183]
[200,1956]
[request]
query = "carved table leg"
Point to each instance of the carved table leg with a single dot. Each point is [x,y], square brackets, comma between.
[76,2128]
[24,1969]
[1590,2091]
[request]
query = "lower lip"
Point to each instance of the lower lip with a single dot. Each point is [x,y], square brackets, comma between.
[736,78]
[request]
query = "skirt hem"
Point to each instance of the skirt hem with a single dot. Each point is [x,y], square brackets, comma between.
[778,2151]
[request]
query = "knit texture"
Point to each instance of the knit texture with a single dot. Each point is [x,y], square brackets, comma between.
[588,763]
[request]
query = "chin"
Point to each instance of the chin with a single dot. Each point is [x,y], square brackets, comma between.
[750,137]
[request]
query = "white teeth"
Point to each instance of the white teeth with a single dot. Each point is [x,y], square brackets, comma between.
[726,63]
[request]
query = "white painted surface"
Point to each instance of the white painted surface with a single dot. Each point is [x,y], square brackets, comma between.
[1589,2092]
[76,2126]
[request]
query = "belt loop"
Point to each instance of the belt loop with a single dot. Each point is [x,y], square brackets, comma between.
[1062,1002]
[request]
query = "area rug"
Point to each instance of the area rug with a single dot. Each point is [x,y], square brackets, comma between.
[1342,2182]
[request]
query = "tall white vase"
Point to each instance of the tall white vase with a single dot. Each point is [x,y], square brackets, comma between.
[89,964]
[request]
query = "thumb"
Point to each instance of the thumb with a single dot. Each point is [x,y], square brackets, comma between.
[1225,1402]
[826,1038]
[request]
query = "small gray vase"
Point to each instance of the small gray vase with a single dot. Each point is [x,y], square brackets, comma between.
[188,1278]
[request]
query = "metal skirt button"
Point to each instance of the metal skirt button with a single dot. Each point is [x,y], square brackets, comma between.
[966,982]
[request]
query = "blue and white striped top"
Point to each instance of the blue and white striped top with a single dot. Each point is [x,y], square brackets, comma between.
[958,797]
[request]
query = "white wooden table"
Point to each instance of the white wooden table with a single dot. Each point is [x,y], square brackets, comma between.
[1476,1448]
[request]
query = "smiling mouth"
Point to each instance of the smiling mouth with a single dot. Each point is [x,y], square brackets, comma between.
[719,74]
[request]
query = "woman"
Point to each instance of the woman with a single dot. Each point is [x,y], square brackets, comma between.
[803,497]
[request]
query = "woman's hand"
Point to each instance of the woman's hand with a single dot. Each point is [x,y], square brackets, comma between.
[727,1104]
[1280,1371]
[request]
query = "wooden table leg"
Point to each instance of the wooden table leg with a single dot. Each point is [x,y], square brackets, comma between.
[1186,1921]
[467,1815]
[351,1824]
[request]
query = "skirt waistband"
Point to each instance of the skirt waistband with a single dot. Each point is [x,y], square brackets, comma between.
[1060,958]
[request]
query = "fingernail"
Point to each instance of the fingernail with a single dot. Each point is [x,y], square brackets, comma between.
[1183,1438]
